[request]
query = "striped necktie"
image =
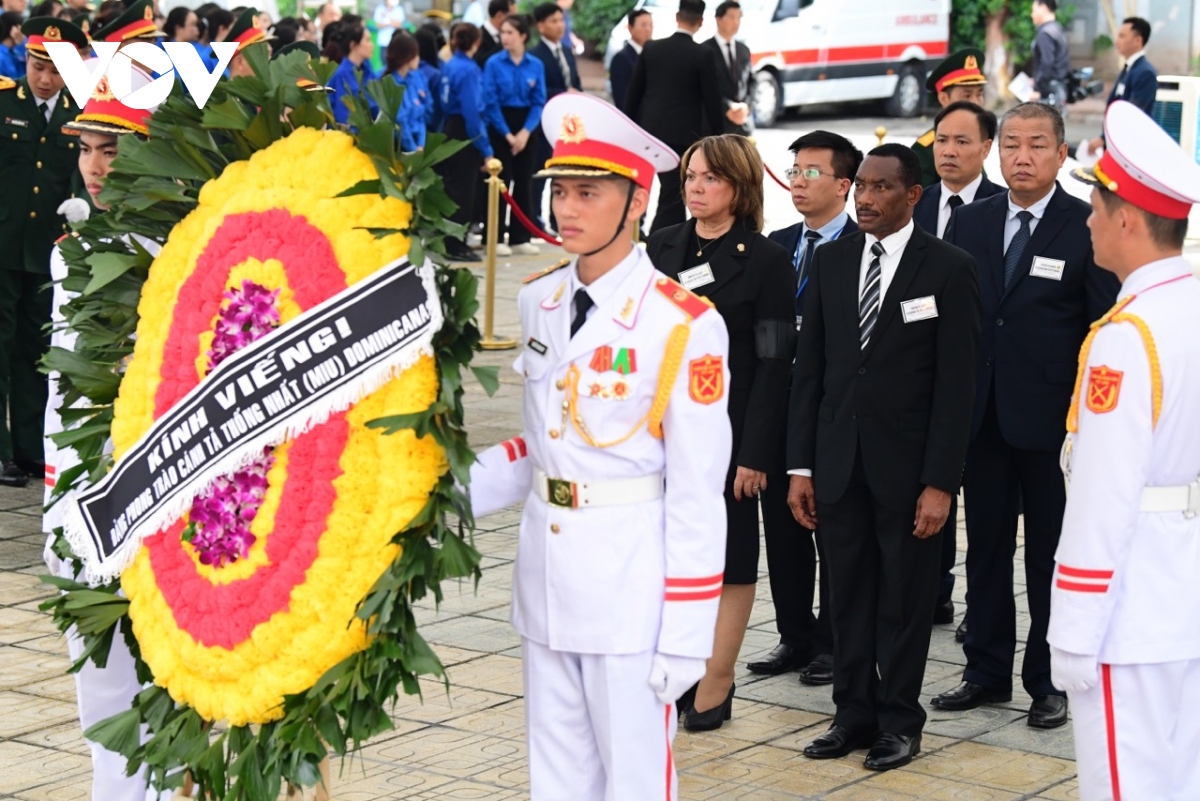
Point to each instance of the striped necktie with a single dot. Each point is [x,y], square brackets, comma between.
[868,301]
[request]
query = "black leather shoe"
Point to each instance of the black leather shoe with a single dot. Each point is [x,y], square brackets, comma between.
[969,696]
[818,672]
[943,613]
[836,743]
[464,254]
[960,633]
[709,719]
[684,702]
[892,751]
[1048,712]
[11,475]
[782,659]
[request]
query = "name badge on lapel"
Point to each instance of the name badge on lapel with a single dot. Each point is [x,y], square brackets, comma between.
[700,275]
[919,309]
[1047,268]
[16,123]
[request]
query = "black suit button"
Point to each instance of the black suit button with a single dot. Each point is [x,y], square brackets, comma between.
[862,371]
[1000,321]
[853,415]
[988,363]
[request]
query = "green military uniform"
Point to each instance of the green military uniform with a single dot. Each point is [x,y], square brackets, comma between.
[961,68]
[37,162]
[135,23]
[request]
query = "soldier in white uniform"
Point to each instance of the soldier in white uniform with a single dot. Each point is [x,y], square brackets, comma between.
[107,691]
[621,467]
[1125,606]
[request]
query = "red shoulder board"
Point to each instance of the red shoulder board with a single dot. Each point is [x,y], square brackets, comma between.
[688,302]
[61,238]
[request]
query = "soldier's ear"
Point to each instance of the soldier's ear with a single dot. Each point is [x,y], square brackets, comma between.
[639,204]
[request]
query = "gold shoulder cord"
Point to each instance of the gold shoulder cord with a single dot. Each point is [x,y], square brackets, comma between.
[672,359]
[1116,315]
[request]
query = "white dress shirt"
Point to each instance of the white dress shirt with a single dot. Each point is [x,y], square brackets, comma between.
[603,287]
[49,103]
[493,30]
[968,196]
[1012,224]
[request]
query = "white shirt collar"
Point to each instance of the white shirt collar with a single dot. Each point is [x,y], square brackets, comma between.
[1037,209]
[637,48]
[493,30]
[1154,273]
[893,243]
[721,40]
[967,194]
[606,285]
[1139,54]
[49,102]
[689,34]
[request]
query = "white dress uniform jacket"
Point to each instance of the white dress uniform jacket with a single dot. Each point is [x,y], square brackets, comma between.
[629,577]
[1126,584]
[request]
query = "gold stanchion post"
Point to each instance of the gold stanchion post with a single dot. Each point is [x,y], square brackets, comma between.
[880,132]
[489,342]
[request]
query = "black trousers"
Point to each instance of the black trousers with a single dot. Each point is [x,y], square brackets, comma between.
[792,567]
[997,476]
[542,150]
[949,552]
[883,583]
[461,174]
[670,203]
[25,301]
[517,175]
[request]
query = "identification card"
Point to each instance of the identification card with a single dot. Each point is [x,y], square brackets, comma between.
[16,123]
[1120,90]
[537,346]
[700,275]
[1047,268]
[919,309]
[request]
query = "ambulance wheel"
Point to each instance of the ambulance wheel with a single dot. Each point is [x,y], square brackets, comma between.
[767,100]
[910,93]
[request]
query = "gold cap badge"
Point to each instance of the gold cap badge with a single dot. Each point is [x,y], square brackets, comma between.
[572,129]
[52,33]
[971,63]
[148,13]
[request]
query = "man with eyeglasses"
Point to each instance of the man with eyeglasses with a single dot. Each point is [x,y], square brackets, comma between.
[821,175]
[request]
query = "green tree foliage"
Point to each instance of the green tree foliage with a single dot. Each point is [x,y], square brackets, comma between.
[593,20]
[969,19]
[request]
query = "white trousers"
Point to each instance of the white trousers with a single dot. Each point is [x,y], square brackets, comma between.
[1137,733]
[596,730]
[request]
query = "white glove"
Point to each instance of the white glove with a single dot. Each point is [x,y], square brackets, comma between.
[1073,673]
[75,209]
[671,676]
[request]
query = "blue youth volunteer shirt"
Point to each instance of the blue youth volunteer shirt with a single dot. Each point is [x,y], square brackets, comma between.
[461,95]
[509,85]
[412,115]
[346,81]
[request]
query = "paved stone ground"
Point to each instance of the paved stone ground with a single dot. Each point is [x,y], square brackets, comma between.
[470,744]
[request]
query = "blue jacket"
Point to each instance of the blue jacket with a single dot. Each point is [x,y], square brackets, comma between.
[346,81]
[620,71]
[433,109]
[509,85]
[412,116]
[1139,87]
[554,76]
[12,61]
[460,93]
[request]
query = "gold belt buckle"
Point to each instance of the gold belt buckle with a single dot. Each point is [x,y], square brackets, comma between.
[561,493]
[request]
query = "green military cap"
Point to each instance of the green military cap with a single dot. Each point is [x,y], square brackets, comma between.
[246,30]
[314,54]
[961,68]
[40,30]
[135,22]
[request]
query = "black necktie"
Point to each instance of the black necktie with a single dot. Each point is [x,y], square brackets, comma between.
[804,264]
[563,66]
[42,109]
[1017,247]
[1121,80]
[733,70]
[954,202]
[868,301]
[583,304]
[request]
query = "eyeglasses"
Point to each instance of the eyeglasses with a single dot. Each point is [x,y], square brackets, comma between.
[809,173]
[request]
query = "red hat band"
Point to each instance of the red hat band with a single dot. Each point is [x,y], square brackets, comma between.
[103,106]
[603,156]
[134,29]
[249,37]
[1117,180]
[958,76]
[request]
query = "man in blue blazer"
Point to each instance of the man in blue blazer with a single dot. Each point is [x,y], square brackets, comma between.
[1041,290]
[562,75]
[963,134]
[641,30]
[1138,80]
[822,174]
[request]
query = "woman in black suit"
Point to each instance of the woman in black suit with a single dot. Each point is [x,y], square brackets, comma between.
[722,255]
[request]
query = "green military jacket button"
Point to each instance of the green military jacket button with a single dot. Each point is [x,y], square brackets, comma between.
[33,215]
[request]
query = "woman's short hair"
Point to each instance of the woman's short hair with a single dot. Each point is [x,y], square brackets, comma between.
[401,50]
[733,159]
[463,37]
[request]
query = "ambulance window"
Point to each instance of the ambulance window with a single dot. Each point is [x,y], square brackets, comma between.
[789,8]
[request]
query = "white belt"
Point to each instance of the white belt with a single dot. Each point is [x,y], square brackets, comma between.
[613,492]
[1185,498]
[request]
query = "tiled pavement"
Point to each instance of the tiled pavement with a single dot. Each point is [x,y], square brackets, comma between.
[470,744]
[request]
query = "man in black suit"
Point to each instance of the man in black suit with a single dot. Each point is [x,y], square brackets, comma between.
[489,31]
[733,68]
[561,76]
[1041,290]
[620,71]
[673,96]
[880,416]
[1138,80]
[822,172]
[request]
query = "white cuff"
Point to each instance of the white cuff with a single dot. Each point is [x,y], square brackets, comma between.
[801,472]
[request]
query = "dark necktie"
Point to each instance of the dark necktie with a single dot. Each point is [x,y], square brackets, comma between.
[954,202]
[868,301]
[42,110]
[583,304]
[804,264]
[563,66]
[1121,80]
[733,70]
[1017,247]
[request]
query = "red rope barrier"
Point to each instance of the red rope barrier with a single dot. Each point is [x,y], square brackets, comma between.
[771,173]
[529,226]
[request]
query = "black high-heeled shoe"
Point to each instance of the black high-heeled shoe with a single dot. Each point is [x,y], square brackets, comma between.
[710,719]
[684,704]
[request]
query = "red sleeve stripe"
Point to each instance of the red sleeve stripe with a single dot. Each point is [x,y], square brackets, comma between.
[1075,586]
[696,582]
[50,470]
[520,443]
[1075,572]
[49,482]
[695,595]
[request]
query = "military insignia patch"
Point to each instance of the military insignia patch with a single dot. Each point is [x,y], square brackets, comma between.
[572,129]
[52,34]
[1104,389]
[706,379]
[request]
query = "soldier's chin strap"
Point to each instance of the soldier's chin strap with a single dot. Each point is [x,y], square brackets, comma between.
[620,225]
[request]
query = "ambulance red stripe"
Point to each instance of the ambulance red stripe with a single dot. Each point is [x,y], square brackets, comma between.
[856,53]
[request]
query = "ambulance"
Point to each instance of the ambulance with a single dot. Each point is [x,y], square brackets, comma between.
[827,51]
